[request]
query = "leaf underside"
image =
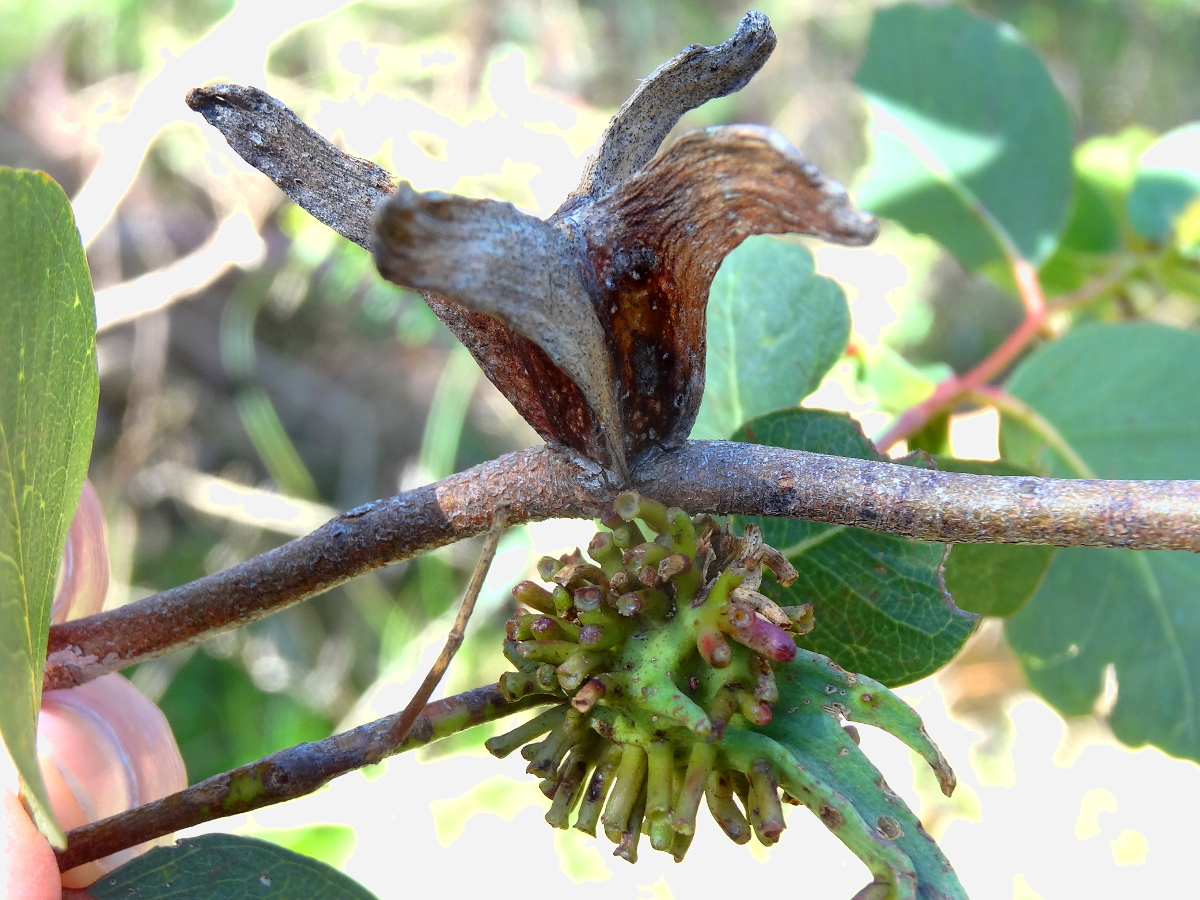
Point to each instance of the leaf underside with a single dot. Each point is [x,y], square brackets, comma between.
[880,602]
[1127,399]
[48,396]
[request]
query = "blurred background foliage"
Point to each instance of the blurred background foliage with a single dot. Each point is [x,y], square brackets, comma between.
[256,375]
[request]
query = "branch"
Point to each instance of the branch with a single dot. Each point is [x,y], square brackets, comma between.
[722,477]
[285,775]
[533,484]
[719,477]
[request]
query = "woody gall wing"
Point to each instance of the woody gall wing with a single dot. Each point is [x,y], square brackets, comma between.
[657,239]
[688,80]
[492,259]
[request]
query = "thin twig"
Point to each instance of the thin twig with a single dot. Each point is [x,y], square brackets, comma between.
[954,388]
[286,775]
[702,477]
[454,639]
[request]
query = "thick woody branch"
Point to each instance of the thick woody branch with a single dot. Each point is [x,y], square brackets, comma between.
[702,477]
[285,775]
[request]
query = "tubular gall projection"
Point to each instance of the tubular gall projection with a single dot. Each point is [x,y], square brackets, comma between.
[682,684]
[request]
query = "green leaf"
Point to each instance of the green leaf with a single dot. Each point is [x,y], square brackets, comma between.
[972,140]
[1167,182]
[48,395]
[1111,162]
[1094,233]
[993,579]
[775,328]
[1127,399]
[880,603]
[1105,170]
[1135,611]
[896,383]
[226,867]
[813,696]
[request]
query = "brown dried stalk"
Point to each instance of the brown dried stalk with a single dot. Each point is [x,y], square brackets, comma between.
[399,731]
[533,484]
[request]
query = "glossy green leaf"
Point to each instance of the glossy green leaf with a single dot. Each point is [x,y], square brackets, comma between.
[1127,399]
[993,579]
[226,867]
[775,328]
[48,395]
[1169,179]
[972,140]
[880,602]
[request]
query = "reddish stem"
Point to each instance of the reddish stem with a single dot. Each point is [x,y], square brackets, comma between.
[948,392]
